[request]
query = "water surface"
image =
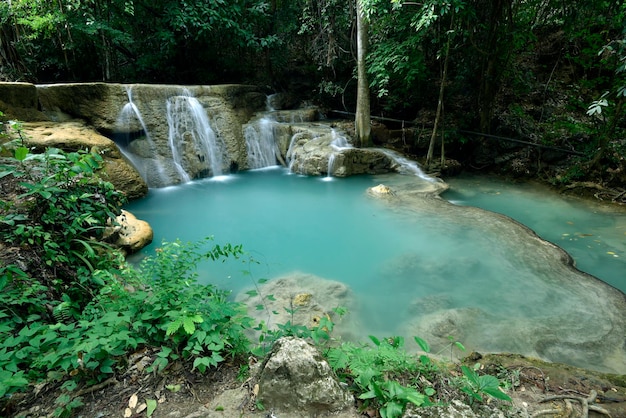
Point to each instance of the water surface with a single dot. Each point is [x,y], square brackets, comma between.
[416,264]
[594,234]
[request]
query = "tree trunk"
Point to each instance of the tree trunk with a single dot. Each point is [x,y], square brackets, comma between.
[362,121]
[431,145]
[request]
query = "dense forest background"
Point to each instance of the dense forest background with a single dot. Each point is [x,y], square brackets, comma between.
[544,71]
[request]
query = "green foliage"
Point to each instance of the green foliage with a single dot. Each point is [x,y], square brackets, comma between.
[376,374]
[320,334]
[125,41]
[63,205]
[476,385]
[60,215]
[85,309]
[157,305]
[169,309]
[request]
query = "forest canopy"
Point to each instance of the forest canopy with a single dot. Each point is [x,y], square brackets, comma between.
[495,66]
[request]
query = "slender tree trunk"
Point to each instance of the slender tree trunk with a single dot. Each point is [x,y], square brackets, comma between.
[362,121]
[443,140]
[431,145]
[496,49]
[9,57]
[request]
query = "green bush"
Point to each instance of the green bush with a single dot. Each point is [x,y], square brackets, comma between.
[79,309]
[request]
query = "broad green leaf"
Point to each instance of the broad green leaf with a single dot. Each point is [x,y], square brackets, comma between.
[497,393]
[375,340]
[173,327]
[392,410]
[21,153]
[416,398]
[189,325]
[423,344]
[152,405]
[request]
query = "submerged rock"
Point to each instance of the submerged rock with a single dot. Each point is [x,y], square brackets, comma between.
[300,298]
[381,191]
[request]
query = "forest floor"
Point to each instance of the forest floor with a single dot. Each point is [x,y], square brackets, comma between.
[536,387]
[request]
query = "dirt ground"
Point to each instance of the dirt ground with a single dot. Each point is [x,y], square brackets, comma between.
[537,389]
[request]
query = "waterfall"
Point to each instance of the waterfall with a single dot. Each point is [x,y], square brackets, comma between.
[187,148]
[196,150]
[127,121]
[331,165]
[338,143]
[291,161]
[407,166]
[260,143]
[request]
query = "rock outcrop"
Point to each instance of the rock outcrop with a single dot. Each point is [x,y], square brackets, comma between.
[295,380]
[74,136]
[171,133]
[20,101]
[314,151]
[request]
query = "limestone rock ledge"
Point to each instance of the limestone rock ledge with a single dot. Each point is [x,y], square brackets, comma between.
[75,135]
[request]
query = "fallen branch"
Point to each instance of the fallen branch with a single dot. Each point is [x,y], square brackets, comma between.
[93,388]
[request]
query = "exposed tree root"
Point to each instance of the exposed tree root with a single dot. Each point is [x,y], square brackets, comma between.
[94,388]
[585,402]
[600,192]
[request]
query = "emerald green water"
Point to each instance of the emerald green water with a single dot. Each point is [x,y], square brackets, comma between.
[418,265]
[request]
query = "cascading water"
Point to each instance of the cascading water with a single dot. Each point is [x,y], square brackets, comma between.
[260,143]
[196,150]
[339,143]
[130,121]
[407,166]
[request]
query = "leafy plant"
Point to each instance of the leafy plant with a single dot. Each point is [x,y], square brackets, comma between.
[170,309]
[158,304]
[393,397]
[63,206]
[476,386]
[376,374]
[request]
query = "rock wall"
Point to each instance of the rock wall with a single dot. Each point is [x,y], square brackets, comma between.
[74,136]
[141,119]
[169,134]
[136,117]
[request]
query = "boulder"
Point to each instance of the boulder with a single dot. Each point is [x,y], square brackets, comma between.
[296,381]
[381,191]
[458,409]
[320,150]
[129,233]
[74,136]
